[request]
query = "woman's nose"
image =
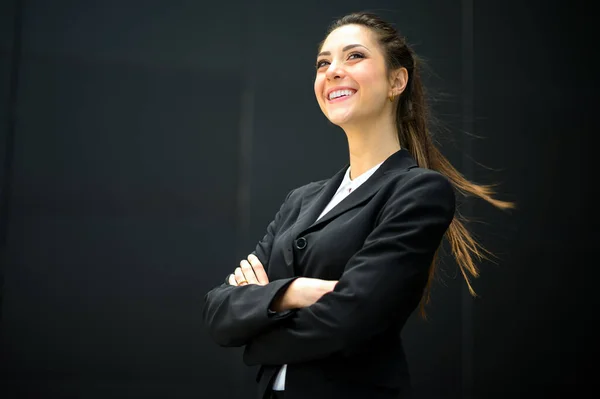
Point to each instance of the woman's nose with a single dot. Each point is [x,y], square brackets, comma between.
[335,71]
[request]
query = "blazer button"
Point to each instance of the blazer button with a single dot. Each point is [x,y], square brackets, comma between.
[301,243]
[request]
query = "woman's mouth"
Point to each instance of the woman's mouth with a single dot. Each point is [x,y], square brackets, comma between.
[340,95]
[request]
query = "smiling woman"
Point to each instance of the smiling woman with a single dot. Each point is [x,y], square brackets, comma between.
[364,241]
[352,82]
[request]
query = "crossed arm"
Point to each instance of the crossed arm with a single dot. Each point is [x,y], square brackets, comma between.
[383,282]
[235,316]
[235,313]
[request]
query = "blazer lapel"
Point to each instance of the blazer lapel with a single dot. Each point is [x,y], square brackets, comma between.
[313,206]
[354,199]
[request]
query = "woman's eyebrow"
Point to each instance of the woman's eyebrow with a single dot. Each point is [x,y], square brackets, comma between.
[348,47]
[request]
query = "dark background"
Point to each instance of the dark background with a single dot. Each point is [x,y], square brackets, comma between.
[146,145]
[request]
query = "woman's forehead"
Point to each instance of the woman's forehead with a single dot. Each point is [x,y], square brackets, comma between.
[345,35]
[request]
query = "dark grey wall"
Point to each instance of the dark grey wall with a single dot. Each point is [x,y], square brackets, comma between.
[535,103]
[154,142]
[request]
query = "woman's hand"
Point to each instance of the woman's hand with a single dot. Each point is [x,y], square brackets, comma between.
[302,293]
[251,271]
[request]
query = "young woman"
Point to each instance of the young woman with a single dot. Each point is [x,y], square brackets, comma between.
[364,241]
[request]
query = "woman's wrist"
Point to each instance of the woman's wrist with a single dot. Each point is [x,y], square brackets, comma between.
[285,300]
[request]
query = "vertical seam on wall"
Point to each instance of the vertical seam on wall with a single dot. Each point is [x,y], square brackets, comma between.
[251,12]
[7,168]
[246,130]
[468,126]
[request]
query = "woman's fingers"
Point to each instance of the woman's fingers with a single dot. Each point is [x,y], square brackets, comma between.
[239,276]
[248,272]
[259,270]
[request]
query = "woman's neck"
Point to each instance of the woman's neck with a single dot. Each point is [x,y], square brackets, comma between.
[369,145]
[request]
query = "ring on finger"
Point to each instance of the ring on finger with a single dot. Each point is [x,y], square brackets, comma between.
[239,276]
[247,271]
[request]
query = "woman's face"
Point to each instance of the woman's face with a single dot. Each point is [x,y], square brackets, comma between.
[352,84]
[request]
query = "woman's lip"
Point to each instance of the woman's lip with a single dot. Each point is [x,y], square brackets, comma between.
[338,88]
[338,99]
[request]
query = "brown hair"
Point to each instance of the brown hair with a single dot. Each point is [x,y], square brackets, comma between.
[412,121]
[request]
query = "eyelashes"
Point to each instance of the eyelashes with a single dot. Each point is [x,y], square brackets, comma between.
[321,64]
[351,56]
[358,55]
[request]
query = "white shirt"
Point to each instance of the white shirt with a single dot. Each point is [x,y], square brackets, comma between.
[346,187]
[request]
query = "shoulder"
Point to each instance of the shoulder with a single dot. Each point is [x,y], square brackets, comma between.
[305,190]
[420,187]
[293,199]
[416,178]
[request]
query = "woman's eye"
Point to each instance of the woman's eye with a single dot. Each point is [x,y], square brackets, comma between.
[352,56]
[355,56]
[321,64]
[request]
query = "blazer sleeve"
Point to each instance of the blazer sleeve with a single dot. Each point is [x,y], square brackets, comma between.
[235,314]
[381,284]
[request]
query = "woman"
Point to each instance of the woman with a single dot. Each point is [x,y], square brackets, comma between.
[364,241]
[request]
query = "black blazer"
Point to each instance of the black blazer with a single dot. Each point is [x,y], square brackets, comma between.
[379,243]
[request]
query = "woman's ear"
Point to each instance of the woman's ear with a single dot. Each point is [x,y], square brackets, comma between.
[398,81]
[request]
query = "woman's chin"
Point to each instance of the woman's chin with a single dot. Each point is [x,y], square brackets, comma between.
[340,118]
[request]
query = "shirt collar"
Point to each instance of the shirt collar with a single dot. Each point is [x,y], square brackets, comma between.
[353,184]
